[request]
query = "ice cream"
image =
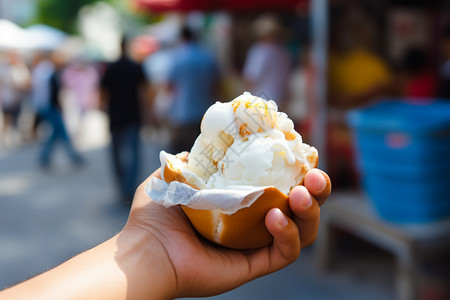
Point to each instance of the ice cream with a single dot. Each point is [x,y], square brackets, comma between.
[247,142]
[244,163]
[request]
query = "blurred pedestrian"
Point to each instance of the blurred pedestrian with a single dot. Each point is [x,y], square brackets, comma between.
[14,82]
[301,103]
[47,82]
[192,77]
[268,65]
[123,86]
[157,66]
[41,71]
[80,84]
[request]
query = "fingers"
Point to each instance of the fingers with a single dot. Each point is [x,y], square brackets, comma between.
[286,244]
[307,214]
[283,251]
[318,183]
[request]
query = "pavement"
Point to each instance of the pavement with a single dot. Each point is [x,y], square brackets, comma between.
[46,217]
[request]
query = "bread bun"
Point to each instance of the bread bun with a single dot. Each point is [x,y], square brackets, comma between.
[245,229]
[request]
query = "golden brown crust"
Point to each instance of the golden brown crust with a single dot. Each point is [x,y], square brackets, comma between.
[170,173]
[246,229]
[202,220]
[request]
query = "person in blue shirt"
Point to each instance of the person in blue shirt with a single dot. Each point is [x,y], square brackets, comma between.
[192,77]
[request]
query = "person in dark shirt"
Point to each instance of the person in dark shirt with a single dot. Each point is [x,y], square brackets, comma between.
[121,87]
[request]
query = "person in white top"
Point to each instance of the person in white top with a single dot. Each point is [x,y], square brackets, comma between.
[40,83]
[14,82]
[268,65]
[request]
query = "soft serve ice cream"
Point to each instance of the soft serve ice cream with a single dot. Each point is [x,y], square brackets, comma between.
[247,142]
[244,163]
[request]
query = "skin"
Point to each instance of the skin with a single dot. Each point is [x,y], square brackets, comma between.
[158,255]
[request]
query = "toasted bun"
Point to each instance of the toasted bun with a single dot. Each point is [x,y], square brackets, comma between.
[245,229]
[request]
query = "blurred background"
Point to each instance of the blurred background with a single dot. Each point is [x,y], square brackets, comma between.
[92,90]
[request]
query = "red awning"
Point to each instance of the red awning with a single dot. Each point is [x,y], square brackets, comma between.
[255,5]
[175,5]
[208,5]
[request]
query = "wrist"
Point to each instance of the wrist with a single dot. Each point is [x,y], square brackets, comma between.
[146,265]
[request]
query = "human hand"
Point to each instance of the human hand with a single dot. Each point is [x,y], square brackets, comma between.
[193,266]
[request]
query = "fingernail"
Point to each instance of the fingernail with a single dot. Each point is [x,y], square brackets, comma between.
[307,202]
[322,183]
[282,220]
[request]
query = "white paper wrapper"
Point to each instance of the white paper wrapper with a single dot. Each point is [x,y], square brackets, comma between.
[227,200]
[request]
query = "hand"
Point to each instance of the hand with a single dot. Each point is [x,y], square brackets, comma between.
[196,267]
[158,255]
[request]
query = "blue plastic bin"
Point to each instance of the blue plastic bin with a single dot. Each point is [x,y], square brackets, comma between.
[404,157]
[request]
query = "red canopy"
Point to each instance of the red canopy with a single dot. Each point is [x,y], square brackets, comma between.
[175,5]
[208,5]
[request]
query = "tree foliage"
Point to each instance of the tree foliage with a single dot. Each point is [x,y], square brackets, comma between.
[61,14]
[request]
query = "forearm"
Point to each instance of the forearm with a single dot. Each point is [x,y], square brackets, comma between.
[116,269]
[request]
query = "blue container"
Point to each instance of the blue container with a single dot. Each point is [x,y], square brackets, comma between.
[404,157]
